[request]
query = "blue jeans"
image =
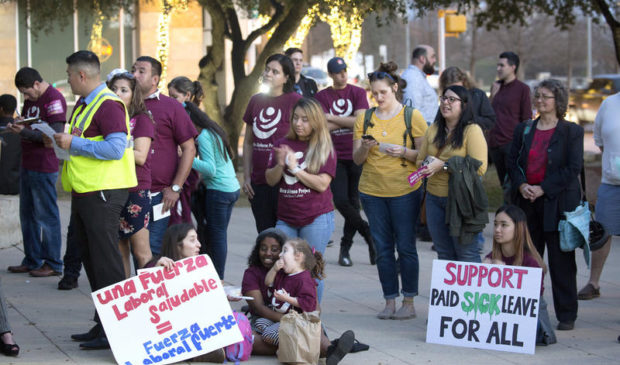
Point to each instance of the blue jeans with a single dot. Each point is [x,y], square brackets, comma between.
[219,205]
[316,233]
[157,228]
[392,224]
[447,247]
[40,220]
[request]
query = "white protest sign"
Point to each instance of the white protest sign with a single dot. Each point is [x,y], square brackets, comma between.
[165,316]
[485,306]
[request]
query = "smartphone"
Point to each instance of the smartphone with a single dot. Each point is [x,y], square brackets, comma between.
[368,137]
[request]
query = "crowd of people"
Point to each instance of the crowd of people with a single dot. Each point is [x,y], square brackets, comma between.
[143,163]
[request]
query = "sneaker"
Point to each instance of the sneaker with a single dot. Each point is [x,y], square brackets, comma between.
[589,292]
[67,283]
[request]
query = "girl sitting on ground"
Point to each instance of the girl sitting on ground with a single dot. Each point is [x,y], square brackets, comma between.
[512,245]
[290,284]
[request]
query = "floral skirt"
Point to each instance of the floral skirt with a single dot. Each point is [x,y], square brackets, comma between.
[136,213]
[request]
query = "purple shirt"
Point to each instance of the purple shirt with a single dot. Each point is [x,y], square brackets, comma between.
[512,105]
[254,279]
[299,205]
[299,285]
[172,127]
[51,107]
[142,126]
[343,103]
[269,117]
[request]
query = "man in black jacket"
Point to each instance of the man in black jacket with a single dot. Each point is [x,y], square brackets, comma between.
[303,85]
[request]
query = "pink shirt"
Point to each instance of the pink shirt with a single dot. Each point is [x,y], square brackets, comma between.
[298,205]
[343,103]
[537,158]
[269,117]
[172,127]
[51,107]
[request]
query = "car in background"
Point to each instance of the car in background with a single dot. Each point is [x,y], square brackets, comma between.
[584,104]
[319,76]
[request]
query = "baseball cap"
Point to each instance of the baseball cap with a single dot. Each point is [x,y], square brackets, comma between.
[336,65]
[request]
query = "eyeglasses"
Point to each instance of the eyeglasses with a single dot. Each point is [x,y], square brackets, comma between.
[380,75]
[448,99]
[543,96]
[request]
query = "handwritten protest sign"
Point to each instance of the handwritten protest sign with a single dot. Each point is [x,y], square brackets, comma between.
[165,316]
[484,306]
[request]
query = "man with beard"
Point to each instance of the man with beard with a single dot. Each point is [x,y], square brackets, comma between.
[418,93]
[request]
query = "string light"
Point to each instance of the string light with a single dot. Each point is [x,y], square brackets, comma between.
[346,30]
[163,34]
[97,44]
[297,39]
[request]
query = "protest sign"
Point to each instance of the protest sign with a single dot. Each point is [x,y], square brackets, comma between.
[484,306]
[165,316]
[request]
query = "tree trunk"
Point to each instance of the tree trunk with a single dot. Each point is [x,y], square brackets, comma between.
[211,64]
[247,86]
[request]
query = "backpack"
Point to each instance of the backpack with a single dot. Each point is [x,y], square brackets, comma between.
[407,114]
[241,351]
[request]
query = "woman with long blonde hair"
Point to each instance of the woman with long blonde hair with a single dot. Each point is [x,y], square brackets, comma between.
[303,164]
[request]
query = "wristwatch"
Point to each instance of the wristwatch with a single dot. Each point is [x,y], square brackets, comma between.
[176,188]
[445,166]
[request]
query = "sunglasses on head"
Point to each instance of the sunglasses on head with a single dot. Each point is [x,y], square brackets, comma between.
[380,75]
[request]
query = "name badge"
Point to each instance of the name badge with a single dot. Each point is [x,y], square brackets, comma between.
[76,132]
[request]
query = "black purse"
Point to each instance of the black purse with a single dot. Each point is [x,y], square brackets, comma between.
[598,233]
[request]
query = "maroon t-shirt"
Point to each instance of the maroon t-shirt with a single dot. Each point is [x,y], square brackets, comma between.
[172,127]
[299,285]
[343,103]
[51,107]
[269,117]
[142,126]
[299,205]
[512,104]
[537,158]
[109,118]
[254,279]
[528,261]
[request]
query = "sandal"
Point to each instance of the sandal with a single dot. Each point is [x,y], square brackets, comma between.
[357,346]
[8,349]
[589,292]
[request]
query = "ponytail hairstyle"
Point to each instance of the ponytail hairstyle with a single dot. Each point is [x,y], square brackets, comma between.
[313,260]
[467,117]
[185,85]
[320,145]
[387,73]
[522,240]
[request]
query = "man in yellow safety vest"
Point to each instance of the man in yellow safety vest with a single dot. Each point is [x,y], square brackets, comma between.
[98,173]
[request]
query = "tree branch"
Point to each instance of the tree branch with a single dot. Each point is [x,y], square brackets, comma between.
[609,17]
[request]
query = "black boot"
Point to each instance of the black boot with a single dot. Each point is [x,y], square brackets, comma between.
[372,251]
[345,259]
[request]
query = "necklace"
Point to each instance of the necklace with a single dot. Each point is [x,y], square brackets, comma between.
[388,116]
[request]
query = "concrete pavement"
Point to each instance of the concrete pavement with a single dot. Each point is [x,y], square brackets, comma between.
[43,317]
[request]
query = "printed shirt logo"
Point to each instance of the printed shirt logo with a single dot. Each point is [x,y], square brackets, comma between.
[33,112]
[267,123]
[55,107]
[341,107]
[291,179]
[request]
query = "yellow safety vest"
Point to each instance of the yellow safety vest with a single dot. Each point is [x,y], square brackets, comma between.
[85,174]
